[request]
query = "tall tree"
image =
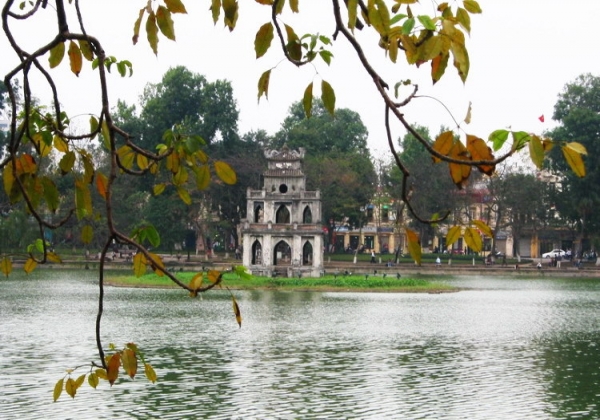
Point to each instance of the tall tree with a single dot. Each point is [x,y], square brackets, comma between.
[578,113]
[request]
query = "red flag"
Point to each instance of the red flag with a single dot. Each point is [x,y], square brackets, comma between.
[541,118]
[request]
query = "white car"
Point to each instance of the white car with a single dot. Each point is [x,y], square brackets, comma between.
[554,253]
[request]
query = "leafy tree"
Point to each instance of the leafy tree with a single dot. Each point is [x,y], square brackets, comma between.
[322,133]
[578,198]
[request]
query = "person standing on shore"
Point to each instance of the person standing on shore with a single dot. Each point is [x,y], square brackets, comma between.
[372,257]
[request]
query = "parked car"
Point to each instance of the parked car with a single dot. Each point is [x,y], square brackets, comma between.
[555,253]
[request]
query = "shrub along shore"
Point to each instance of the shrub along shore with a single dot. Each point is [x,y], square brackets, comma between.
[354,283]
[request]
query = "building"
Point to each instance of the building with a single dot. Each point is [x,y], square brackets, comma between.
[283,234]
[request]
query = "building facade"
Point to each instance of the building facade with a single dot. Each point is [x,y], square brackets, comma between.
[283,234]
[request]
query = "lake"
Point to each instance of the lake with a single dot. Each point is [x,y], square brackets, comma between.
[503,349]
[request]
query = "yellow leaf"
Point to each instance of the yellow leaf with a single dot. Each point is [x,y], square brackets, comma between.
[58,388]
[577,147]
[184,195]
[52,257]
[139,264]
[6,266]
[75,58]
[263,84]
[150,373]
[101,373]
[70,387]
[536,151]
[473,239]
[93,380]
[142,161]
[60,144]
[215,9]
[175,6]
[263,39]
[158,189]
[225,172]
[414,245]
[196,283]
[443,144]
[459,173]
[8,178]
[236,311]
[352,6]
[574,160]
[87,234]
[328,97]
[483,227]
[215,276]
[202,177]
[79,381]
[165,22]
[29,265]
[479,150]
[157,264]
[56,55]
[113,368]
[454,233]
[129,360]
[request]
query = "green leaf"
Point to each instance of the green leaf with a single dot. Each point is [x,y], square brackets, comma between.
[408,26]
[202,177]
[56,55]
[67,162]
[464,19]
[93,380]
[86,50]
[87,234]
[352,6]
[293,46]
[307,100]
[230,9]
[427,22]
[263,84]
[225,172]
[328,97]
[51,194]
[263,39]
[152,32]
[520,139]
[498,138]
[472,6]
[165,22]
[152,236]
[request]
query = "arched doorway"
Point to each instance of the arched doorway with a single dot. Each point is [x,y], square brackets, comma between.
[307,215]
[256,253]
[282,254]
[282,215]
[307,254]
[258,213]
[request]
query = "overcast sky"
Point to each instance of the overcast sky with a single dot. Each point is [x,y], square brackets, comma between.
[522,54]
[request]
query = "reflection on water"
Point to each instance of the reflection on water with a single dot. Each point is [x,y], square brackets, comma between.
[504,349]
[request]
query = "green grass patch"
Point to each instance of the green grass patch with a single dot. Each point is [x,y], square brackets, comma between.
[328,282]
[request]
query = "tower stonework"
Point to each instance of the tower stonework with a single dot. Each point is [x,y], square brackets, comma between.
[282,234]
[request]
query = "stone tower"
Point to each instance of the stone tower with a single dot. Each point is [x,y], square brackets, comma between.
[282,234]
